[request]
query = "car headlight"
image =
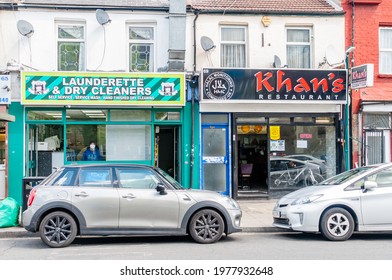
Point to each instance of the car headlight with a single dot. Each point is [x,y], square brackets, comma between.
[306,199]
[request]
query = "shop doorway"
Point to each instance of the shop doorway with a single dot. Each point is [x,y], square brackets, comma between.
[166,150]
[252,160]
[216,158]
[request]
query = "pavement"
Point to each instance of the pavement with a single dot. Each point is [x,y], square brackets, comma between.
[256,217]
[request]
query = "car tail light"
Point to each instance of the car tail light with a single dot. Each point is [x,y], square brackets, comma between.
[31,197]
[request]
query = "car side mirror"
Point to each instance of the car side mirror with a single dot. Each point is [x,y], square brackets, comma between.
[369,185]
[161,189]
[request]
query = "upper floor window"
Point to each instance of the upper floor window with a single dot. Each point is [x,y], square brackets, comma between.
[298,43]
[70,47]
[385,50]
[141,48]
[233,46]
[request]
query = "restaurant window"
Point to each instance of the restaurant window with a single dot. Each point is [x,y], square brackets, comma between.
[233,46]
[385,50]
[298,45]
[301,155]
[70,47]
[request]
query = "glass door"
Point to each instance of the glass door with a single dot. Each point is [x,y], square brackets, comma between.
[215,158]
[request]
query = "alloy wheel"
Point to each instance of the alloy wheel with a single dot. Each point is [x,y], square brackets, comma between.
[206,226]
[58,229]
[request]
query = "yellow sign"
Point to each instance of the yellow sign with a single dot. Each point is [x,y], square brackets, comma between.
[274,132]
[251,129]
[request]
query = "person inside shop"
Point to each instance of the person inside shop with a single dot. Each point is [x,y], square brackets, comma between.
[92,152]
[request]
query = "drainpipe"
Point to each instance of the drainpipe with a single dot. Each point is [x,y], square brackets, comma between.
[193,83]
[360,145]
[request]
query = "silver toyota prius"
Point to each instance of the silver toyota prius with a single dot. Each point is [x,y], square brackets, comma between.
[357,200]
[125,199]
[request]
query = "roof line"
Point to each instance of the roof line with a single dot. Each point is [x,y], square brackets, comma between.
[86,7]
[242,12]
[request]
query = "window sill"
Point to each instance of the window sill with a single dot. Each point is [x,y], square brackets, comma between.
[385,76]
[370,2]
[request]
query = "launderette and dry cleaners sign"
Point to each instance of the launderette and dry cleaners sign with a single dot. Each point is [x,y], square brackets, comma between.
[94,88]
[275,85]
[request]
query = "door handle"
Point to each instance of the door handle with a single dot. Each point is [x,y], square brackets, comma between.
[81,194]
[128,196]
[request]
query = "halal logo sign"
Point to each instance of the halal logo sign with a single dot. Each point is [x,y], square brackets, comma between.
[219,85]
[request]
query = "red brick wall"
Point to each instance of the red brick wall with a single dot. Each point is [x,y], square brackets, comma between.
[365,36]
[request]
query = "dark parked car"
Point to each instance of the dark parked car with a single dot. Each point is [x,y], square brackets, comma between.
[125,200]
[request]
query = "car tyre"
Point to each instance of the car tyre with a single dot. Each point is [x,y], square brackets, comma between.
[58,229]
[337,224]
[206,226]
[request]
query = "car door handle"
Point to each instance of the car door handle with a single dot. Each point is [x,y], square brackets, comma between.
[81,194]
[128,196]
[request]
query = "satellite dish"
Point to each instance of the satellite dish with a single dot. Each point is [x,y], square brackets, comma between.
[206,43]
[277,63]
[102,17]
[331,55]
[25,28]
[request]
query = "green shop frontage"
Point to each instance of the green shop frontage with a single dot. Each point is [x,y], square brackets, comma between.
[140,118]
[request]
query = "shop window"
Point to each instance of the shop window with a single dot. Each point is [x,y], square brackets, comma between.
[302,156]
[86,115]
[141,48]
[303,119]
[44,115]
[281,120]
[252,120]
[385,46]
[167,116]
[298,45]
[70,47]
[44,148]
[215,118]
[136,147]
[325,120]
[79,137]
[233,46]
[130,115]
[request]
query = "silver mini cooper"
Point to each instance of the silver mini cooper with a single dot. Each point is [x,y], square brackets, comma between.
[125,200]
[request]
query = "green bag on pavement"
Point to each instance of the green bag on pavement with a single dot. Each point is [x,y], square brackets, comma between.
[9,213]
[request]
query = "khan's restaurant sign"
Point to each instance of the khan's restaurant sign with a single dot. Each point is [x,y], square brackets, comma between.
[87,88]
[275,85]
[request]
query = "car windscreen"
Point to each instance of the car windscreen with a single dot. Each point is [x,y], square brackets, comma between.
[346,176]
[171,180]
